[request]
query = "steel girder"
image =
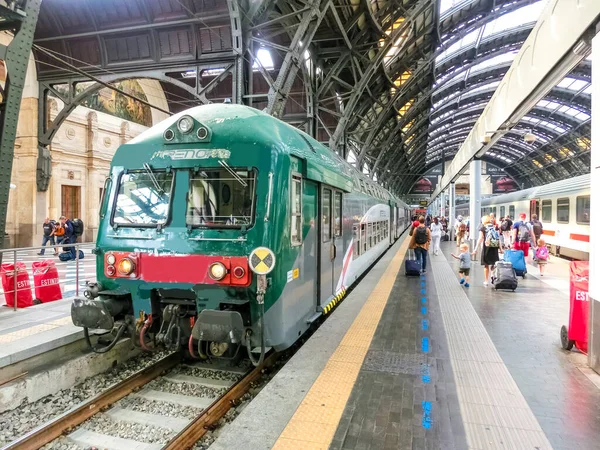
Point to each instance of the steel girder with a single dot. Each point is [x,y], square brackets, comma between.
[310,22]
[21,22]
[418,12]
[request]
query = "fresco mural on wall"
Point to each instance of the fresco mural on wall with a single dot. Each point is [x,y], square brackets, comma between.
[111,102]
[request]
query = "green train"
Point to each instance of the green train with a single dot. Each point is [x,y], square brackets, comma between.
[224,228]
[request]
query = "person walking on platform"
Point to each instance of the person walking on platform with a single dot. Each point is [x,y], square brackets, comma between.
[489,240]
[49,231]
[523,234]
[537,227]
[436,235]
[541,255]
[419,242]
[505,227]
[460,230]
[464,267]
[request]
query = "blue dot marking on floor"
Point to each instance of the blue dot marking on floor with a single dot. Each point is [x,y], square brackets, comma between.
[423,283]
[425,345]
[424,300]
[422,291]
[425,324]
[425,374]
[426,421]
[423,310]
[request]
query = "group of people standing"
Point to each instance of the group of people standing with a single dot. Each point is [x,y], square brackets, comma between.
[62,232]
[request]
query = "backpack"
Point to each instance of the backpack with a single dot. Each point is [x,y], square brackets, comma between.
[462,227]
[524,232]
[537,228]
[505,225]
[77,227]
[421,235]
[541,253]
[492,238]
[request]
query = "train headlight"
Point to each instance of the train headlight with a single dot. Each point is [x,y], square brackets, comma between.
[185,124]
[126,266]
[217,271]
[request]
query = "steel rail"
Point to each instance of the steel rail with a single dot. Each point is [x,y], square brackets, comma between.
[51,430]
[187,437]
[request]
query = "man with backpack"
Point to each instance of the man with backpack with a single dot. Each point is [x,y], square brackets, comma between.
[505,227]
[523,234]
[420,241]
[537,227]
[70,237]
[49,230]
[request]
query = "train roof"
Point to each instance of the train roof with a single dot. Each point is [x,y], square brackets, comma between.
[232,124]
[563,187]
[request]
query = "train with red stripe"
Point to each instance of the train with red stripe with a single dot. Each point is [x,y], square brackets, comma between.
[224,228]
[563,207]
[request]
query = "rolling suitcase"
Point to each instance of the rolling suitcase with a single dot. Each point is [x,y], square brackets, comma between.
[504,276]
[445,237]
[412,266]
[517,259]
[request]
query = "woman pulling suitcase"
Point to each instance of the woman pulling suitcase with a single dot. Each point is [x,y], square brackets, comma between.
[489,240]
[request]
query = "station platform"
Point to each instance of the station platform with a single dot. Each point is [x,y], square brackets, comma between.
[424,363]
[30,332]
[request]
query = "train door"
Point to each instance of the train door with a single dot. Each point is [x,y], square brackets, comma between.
[534,208]
[310,204]
[331,246]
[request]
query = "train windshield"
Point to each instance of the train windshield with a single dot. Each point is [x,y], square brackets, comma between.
[221,197]
[143,198]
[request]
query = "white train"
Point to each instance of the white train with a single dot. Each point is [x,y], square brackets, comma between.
[563,208]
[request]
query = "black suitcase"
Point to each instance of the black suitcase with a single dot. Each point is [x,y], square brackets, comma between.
[412,266]
[504,276]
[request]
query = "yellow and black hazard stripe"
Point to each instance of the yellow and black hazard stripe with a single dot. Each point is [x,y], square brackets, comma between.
[336,299]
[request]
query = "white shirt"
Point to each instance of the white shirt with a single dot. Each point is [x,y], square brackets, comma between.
[436,230]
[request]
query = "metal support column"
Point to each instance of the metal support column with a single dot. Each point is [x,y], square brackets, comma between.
[474,199]
[451,213]
[594,291]
[22,23]
[442,206]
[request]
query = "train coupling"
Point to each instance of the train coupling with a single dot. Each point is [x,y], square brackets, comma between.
[97,313]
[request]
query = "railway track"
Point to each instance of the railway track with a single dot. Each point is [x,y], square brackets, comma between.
[168,405]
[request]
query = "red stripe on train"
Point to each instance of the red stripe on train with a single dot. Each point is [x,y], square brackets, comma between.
[549,232]
[580,237]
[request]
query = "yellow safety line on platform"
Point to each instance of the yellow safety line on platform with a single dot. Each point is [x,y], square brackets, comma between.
[36,329]
[313,425]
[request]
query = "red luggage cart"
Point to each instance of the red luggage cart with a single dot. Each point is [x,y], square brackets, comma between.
[577,333]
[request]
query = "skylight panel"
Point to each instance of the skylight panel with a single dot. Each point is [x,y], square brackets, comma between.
[495,61]
[514,19]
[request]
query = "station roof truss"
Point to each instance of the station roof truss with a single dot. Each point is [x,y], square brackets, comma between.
[392,85]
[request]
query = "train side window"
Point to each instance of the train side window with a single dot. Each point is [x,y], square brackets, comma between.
[562,210]
[337,212]
[363,237]
[502,211]
[546,210]
[296,193]
[494,210]
[356,240]
[511,211]
[370,233]
[583,210]
[326,215]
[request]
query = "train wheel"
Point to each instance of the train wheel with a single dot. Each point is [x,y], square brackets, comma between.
[566,343]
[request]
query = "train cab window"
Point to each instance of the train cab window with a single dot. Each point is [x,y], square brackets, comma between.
[326,215]
[502,211]
[562,210]
[338,214]
[511,211]
[144,198]
[221,198]
[583,210]
[546,210]
[296,217]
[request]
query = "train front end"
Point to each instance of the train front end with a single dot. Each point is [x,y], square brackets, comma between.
[183,251]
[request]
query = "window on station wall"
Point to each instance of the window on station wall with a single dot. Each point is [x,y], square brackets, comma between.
[583,209]
[562,210]
[546,210]
[296,193]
